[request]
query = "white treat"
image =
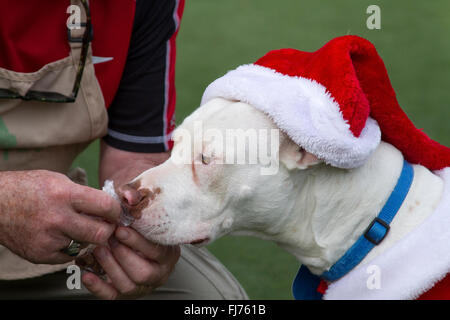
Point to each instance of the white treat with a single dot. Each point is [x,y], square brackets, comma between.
[109,189]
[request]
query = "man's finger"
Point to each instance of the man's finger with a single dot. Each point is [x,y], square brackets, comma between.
[98,287]
[138,269]
[116,274]
[95,202]
[85,229]
[152,251]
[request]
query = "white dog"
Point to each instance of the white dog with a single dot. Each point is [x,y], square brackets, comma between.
[313,210]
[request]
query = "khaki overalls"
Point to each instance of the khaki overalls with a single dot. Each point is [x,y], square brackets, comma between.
[50,135]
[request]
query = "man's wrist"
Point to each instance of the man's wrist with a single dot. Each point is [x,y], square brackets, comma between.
[122,166]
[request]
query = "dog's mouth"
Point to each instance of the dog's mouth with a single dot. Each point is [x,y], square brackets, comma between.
[201,241]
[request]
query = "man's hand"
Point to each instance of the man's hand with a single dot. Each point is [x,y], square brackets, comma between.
[133,265]
[42,211]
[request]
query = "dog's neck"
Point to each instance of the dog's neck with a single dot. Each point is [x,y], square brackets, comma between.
[331,208]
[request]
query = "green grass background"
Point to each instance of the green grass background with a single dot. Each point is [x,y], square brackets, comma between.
[217,36]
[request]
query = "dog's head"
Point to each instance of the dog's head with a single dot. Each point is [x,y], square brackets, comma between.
[223,176]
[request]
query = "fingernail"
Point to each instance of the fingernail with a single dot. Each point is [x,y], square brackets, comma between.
[113,243]
[122,234]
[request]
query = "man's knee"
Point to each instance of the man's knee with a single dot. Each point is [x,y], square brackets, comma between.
[199,275]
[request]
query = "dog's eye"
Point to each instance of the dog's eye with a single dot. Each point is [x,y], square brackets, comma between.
[206,160]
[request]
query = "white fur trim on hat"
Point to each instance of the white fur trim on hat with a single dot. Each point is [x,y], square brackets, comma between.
[303,109]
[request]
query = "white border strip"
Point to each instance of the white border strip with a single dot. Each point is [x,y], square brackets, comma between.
[139,139]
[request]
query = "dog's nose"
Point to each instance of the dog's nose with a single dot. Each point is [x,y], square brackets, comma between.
[130,196]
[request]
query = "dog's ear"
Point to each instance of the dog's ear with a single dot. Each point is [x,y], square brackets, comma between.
[295,157]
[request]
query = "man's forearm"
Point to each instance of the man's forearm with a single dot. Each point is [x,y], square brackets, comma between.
[122,166]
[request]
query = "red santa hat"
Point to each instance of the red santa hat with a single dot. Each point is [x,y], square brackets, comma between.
[337,103]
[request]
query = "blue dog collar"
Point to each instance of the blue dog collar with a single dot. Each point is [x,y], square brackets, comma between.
[305,283]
